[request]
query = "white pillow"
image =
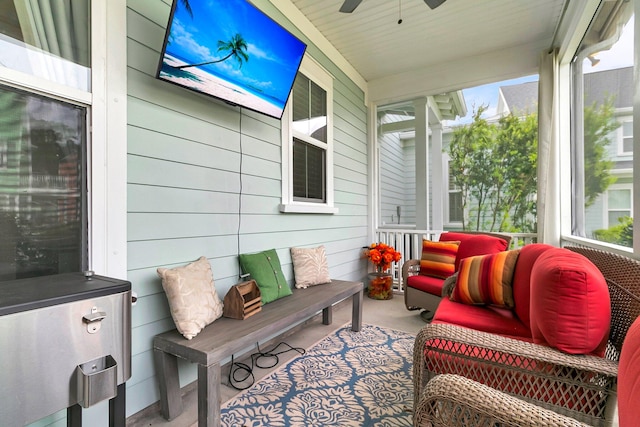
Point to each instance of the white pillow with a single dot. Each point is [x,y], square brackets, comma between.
[310,266]
[192,296]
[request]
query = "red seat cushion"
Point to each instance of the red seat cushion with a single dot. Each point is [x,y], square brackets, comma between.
[474,244]
[570,307]
[496,320]
[430,284]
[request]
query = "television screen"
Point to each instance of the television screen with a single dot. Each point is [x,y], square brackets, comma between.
[230,50]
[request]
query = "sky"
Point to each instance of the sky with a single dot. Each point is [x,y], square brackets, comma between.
[274,54]
[620,55]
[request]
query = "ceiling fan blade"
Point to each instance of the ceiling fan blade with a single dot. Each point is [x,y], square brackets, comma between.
[434,3]
[349,6]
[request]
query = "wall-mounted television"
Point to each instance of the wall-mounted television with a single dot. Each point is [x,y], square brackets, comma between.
[231,50]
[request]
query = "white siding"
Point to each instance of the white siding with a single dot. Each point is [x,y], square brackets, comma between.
[184,181]
[392,179]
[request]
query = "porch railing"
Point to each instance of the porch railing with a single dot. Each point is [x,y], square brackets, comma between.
[408,242]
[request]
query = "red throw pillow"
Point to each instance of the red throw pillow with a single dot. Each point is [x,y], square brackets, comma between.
[486,279]
[522,279]
[474,244]
[438,258]
[629,377]
[570,307]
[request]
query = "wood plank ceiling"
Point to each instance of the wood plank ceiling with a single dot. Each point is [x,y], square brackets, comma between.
[377,46]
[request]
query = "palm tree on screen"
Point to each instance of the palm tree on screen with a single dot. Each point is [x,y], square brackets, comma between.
[187,6]
[237,48]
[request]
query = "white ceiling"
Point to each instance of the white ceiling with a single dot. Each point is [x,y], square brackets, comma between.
[429,42]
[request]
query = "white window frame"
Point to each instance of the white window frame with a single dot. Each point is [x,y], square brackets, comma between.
[616,187]
[317,74]
[445,178]
[620,135]
[106,104]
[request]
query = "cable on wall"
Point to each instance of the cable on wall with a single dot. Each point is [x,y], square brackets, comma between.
[240,194]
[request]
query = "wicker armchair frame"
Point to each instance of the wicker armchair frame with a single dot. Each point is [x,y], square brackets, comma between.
[452,400]
[579,386]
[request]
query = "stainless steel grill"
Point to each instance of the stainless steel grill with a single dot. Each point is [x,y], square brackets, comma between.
[66,343]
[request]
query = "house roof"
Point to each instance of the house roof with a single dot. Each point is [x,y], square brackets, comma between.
[519,99]
[618,83]
[523,98]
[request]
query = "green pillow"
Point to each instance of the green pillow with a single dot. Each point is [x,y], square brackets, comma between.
[264,268]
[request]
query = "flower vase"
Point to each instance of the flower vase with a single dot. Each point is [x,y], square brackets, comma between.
[380,285]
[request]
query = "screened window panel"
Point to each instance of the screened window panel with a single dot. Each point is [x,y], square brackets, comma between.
[603,85]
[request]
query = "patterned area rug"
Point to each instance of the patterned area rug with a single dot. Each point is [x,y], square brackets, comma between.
[347,379]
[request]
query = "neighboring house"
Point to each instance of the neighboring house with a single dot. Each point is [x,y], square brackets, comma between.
[398,162]
[616,202]
[522,99]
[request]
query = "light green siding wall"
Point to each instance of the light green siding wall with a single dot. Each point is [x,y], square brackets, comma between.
[184,181]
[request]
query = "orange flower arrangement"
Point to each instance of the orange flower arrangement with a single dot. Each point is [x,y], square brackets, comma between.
[382,255]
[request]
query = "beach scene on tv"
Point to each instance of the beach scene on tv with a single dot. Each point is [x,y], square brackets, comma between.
[231,50]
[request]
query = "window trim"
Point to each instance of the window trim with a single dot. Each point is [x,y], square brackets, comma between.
[605,205]
[316,73]
[446,160]
[620,135]
[107,133]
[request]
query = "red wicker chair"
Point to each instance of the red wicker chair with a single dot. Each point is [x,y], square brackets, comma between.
[578,386]
[415,299]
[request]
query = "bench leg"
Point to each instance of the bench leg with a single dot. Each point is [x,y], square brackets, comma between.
[356,312]
[327,315]
[209,398]
[167,372]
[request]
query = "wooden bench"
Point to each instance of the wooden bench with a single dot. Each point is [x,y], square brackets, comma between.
[227,336]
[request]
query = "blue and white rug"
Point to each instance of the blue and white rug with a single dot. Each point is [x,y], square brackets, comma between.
[347,379]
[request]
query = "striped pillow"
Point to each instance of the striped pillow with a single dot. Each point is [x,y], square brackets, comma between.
[438,258]
[486,279]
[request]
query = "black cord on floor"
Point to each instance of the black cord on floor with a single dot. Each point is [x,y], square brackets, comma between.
[239,367]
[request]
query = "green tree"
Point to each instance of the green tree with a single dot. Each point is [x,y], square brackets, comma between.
[237,48]
[495,166]
[187,6]
[470,155]
[599,122]
[620,234]
[515,169]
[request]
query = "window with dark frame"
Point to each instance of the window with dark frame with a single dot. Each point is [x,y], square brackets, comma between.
[43,186]
[43,139]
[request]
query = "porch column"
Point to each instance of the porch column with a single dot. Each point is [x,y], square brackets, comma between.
[422,163]
[438,192]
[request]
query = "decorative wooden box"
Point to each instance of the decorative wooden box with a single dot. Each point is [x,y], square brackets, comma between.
[242,300]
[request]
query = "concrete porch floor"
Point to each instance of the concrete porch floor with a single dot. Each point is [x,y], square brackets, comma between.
[390,314]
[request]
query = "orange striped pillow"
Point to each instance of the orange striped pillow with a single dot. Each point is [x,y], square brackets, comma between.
[486,279]
[438,258]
